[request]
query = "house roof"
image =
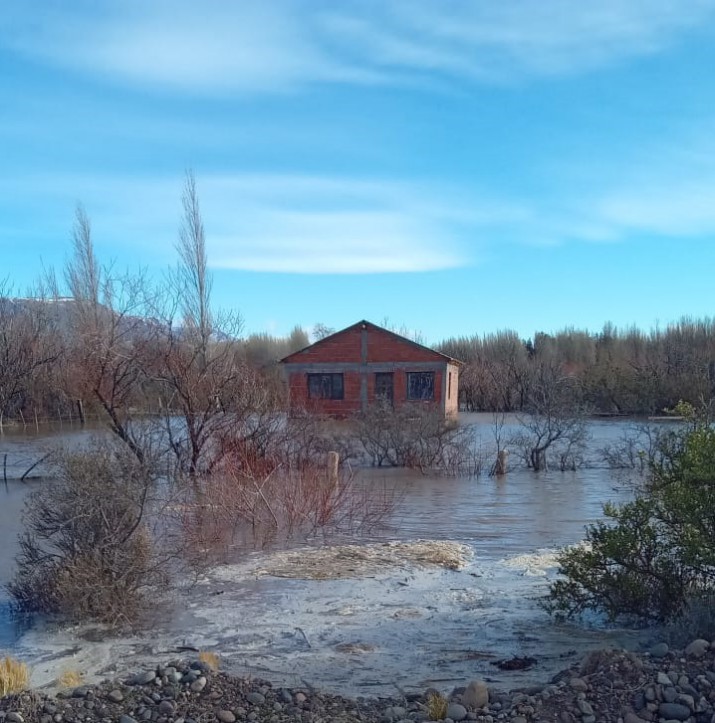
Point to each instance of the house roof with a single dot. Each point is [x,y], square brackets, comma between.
[367,324]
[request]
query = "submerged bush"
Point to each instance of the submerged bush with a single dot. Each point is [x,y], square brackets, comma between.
[653,558]
[87,552]
[417,437]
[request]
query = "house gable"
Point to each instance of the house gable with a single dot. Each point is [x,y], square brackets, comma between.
[365,343]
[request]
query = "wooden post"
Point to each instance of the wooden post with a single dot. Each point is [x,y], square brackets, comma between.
[501,465]
[37,424]
[80,411]
[333,462]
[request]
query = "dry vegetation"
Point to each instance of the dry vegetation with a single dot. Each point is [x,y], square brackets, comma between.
[14,676]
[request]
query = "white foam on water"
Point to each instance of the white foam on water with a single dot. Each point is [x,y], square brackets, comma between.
[405,625]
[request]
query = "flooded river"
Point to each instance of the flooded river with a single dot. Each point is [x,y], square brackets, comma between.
[403,625]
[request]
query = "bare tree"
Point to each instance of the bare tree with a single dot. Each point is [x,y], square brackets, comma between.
[24,349]
[207,387]
[553,421]
[110,340]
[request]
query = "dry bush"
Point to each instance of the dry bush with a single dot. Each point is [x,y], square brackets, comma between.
[210,659]
[437,706]
[70,679]
[88,551]
[14,676]
[281,495]
[417,437]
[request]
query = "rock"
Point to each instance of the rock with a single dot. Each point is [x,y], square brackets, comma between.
[126,719]
[578,684]
[116,696]
[631,717]
[585,707]
[166,707]
[518,719]
[673,711]
[697,648]
[14,717]
[300,697]
[198,685]
[456,712]
[686,700]
[226,716]
[144,678]
[663,679]
[476,695]
[669,694]
[659,650]
[259,698]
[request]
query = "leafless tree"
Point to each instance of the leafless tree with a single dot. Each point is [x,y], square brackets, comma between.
[552,422]
[206,385]
[110,339]
[25,349]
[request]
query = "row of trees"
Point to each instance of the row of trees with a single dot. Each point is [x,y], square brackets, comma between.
[613,372]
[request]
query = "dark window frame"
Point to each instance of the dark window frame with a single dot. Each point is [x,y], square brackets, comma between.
[326,385]
[380,379]
[420,386]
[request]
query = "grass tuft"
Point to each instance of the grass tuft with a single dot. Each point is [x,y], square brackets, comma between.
[437,706]
[70,679]
[14,676]
[211,659]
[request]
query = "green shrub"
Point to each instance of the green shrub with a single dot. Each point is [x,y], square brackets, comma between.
[654,557]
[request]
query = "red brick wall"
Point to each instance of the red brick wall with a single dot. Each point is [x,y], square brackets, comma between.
[298,385]
[385,347]
[382,347]
[343,347]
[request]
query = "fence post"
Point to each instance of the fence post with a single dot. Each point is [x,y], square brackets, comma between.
[333,462]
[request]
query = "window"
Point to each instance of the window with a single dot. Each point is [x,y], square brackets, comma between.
[384,386]
[325,386]
[420,386]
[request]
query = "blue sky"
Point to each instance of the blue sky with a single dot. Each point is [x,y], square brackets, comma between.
[455,167]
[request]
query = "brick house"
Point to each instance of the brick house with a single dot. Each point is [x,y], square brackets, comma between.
[353,368]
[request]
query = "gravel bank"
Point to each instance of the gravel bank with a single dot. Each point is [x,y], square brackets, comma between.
[612,686]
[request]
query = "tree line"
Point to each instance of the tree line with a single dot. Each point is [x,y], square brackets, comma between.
[613,372]
[91,342]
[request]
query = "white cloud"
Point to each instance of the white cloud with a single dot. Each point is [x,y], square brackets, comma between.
[218,47]
[273,223]
[664,189]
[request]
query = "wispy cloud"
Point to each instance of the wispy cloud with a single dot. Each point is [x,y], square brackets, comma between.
[218,47]
[276,223]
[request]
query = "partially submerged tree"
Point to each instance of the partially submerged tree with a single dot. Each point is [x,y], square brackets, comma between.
[110,338]
[207,388]
[553,422]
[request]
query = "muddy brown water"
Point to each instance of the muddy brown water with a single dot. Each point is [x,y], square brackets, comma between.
[511,525]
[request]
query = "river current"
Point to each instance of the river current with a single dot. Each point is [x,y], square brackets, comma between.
[406,626]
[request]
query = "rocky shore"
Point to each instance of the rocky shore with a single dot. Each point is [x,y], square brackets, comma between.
[607,686]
